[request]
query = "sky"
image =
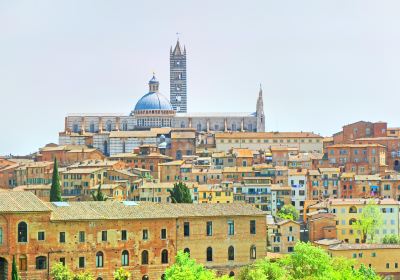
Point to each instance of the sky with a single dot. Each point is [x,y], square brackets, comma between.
[322,64]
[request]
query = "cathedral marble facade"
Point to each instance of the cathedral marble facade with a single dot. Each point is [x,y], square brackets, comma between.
[153,110]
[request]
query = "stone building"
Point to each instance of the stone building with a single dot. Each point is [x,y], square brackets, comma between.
[100,237]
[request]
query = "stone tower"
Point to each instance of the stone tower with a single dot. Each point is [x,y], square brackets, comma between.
[260,112]
[177,72]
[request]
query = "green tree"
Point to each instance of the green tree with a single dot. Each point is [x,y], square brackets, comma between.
[180,193]
[122,274]
[14,270]
[370,220]
[60,272]
[391,239]
[288,212]
[99,195]
[83,276]
[308,262]
[186,268]
[55,191]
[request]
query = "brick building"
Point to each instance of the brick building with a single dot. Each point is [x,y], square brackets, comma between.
[100,237]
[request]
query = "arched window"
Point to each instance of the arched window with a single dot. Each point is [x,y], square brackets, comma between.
[233,127]
[145,257]
[145,277]
[75,128]
[124,126]
[253,252]
[99,278]
[216,127]
[187,251]
[199,127]
[250,127]
[41,262]
[164,256]
[352,221]
[108,125]
[125,258]
[209,254]
[22,232]
[99,259]
[105,148]
[231,253]
[91,127]
[182,124]
[163,277]
[353,209]
[231,274]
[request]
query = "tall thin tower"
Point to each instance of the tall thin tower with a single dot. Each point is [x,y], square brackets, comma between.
[177,77]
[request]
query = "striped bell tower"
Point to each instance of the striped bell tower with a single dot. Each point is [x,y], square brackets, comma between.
[178,85]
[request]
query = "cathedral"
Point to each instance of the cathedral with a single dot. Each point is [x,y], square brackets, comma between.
[153,110]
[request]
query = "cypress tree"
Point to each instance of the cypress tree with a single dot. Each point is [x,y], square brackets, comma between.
[55,191]
[180,193]
[14,270]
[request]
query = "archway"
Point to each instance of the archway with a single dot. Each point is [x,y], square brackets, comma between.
[3,269]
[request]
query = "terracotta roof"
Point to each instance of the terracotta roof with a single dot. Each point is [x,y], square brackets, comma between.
[363,246]
[367,177]
[21,201]
[82,170]
[113,210]
[32,187]
[242,153]
[183,135]
[354,145]
[133,134]
[328,242]
[329,169]
[265,135]
[237,169]
[314,173]
[161,130]
[175,162]
[354,201]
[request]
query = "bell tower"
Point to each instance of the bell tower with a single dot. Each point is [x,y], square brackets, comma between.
[260,112]
[177,72]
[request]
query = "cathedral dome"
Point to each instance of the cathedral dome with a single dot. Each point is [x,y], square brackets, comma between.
[153,100]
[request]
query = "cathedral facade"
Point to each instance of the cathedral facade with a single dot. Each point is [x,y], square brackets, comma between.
[110,133]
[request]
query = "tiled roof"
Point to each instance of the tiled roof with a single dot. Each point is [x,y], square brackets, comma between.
[354,145]
[175,162]
[363,246]
[266,135]
[367,177]
[21,201]
[112,210]
[133,134]
[183,135]
[82,170]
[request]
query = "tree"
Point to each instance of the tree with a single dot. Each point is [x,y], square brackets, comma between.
[288,212]
[99,195]
[307,262]
[121,274]
[391,239]
[14,270]
[186,268]
[60,272]
[55,191]
[83,276]
[180,193]
[370,220]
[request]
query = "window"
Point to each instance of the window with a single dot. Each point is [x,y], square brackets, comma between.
[99,259]
[22,232]
[231,227]
[252,227]
[186,229]
[209,229]
[23,263]
[81,262]
[253,252]
[290,249]
[164,233]
[164,256]
[82,237]
[231,253]
[209,254]
[62,237]
[1,235]
[387,265]
[187,251]
[41,262]
[145,257]
[104,235]
[40,236]
[125,258]
[62,260]
[145,277]
[145,234]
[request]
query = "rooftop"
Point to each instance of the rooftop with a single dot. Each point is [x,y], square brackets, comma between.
[266,135]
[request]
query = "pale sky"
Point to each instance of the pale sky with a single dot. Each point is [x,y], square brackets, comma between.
[322,64]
